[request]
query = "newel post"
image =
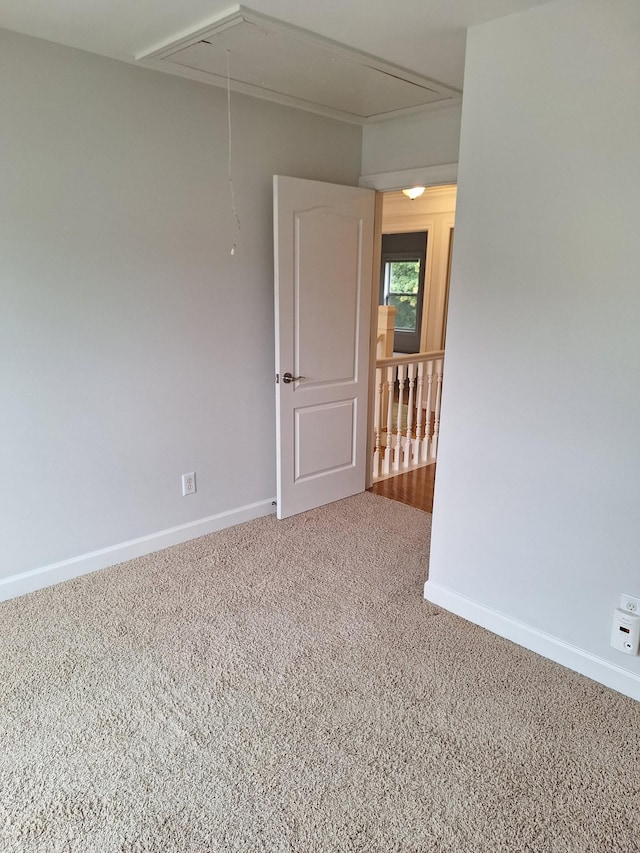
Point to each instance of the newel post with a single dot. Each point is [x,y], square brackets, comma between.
[386,330]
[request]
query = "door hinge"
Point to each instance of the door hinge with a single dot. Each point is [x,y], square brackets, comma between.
[277,378]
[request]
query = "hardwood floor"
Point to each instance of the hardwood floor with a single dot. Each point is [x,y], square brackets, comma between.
[414,488]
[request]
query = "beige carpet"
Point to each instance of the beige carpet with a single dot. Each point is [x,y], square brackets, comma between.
[283,686]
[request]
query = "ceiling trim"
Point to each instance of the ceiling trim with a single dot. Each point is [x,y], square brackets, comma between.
[157,56]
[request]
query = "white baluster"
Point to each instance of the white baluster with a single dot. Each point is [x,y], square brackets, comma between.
[417,445]
[389,389]
[427,427]
[377,429]
[408,442]
[397,456]
[436,422]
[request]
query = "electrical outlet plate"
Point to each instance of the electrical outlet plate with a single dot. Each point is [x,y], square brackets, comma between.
[630,603]
[188,484]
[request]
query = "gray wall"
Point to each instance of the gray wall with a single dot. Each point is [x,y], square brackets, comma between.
[134,347]
[538,495]
[427,139]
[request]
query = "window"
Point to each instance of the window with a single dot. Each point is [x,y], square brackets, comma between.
[402,285]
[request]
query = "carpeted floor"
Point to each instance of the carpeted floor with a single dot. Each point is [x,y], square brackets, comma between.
[283,686]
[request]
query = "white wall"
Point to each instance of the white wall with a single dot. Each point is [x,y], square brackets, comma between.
[430,138]
[133,346]
[535,529]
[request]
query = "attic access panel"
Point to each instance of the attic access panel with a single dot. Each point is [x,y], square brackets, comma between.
[273,60]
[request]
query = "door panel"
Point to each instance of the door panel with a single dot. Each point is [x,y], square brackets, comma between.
[328,245]
[314,454]
[323,265]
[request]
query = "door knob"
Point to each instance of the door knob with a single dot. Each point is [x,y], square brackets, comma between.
[288,377]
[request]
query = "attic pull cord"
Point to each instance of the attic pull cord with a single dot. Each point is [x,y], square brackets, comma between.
[233,196]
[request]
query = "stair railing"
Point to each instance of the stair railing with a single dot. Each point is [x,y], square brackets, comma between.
[406,412]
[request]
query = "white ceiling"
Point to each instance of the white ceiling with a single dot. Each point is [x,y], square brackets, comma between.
[424,36]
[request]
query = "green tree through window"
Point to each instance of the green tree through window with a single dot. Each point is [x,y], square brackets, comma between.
[402,284]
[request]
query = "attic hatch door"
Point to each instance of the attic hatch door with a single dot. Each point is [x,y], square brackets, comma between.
[323,246]
[272,59]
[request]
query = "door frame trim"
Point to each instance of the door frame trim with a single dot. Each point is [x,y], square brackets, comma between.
[426,176]
[373,333]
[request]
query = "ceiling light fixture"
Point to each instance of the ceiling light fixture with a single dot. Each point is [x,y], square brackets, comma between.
[414,192]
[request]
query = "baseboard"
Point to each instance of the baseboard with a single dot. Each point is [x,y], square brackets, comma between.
[34,579]
[548,646]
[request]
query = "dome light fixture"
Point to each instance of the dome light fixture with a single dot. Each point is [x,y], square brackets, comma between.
[414,192]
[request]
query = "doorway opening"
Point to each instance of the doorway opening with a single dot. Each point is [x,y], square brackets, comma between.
[431,215]
[416,249]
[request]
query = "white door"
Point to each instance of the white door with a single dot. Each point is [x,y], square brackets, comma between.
[323,266]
